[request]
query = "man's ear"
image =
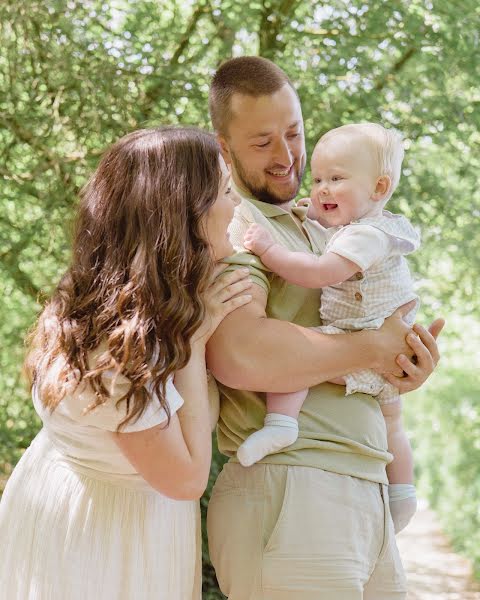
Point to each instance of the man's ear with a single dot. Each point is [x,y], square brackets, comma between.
[224,148]
[382,187]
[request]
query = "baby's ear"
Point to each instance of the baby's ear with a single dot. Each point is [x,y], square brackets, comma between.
[382,187]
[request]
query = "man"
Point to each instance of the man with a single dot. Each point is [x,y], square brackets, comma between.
[311,522]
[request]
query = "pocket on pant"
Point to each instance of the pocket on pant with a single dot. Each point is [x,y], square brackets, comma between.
[275,513]
[234,525]
[319,541]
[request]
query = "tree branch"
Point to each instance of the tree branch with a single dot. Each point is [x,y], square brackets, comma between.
[272,22]
[162,84]
[396,68]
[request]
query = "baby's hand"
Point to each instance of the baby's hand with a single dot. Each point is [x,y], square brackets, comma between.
[312,212]
[257,239]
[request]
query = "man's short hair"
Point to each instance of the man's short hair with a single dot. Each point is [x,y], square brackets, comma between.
[249,75]
[386,146]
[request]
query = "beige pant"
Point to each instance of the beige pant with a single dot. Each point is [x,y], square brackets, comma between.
[300,533]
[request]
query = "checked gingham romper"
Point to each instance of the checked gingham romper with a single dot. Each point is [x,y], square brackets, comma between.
[378,246]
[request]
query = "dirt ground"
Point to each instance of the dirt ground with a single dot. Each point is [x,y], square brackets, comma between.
[434,571]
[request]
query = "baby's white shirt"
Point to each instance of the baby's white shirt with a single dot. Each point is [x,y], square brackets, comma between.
[382,284]
[363,244]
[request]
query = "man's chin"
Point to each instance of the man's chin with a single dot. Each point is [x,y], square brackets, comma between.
[274,196]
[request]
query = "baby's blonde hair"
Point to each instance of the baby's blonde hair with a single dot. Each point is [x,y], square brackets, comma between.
[386,146]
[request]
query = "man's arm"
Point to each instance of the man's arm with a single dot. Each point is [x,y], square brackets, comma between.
[252,352]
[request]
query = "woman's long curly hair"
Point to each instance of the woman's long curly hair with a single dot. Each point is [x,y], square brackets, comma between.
[139,269]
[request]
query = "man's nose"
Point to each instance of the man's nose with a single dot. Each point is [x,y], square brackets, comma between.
[282,153]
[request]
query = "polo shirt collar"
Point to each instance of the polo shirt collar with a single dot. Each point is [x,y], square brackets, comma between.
[270,210]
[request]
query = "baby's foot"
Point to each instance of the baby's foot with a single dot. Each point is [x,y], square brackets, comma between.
[278,432]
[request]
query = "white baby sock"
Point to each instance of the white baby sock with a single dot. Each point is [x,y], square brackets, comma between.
[278,432]
[403,504]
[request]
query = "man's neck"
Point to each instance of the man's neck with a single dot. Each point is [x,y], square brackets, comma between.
[287,206]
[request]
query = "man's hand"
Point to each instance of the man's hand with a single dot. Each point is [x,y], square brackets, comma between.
[425,351]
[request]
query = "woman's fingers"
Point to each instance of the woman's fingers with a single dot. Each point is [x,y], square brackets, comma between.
[226,293]
[233,289]
[233,303]
[230,278]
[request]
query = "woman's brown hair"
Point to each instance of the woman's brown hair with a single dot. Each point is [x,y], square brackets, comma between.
[139,268]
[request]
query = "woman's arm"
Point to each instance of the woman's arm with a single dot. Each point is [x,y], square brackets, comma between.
[175,460]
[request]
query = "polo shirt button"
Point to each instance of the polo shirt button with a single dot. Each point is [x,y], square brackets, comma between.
[359,275]
[358,296]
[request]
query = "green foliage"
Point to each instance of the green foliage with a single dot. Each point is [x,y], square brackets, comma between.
[444,422]
[77,74]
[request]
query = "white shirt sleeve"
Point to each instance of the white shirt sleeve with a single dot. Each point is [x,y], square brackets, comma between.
[362,244]
[109,415]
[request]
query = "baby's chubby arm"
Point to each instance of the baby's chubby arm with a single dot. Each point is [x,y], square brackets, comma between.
[299,268]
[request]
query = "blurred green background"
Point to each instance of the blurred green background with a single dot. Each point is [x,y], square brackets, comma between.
[77,75]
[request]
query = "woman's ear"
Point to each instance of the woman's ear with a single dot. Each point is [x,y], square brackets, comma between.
[382,187]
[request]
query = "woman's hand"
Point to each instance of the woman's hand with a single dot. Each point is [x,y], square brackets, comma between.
[225,294]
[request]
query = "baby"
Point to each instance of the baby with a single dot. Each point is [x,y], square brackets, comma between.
[364,276]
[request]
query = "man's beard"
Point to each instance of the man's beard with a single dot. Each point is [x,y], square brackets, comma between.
[263,193]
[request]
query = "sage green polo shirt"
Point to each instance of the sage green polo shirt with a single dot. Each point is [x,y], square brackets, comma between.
[338,433]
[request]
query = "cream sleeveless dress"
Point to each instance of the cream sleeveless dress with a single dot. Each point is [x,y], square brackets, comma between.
[77,522]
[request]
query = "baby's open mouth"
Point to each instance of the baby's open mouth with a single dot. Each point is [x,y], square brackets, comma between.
[329,206]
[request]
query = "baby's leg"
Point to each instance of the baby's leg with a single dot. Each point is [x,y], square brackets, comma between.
[403,500]
[401,469]
[280,428]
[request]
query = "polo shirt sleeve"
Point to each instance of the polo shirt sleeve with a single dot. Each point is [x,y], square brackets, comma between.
[259,273]
[362,244]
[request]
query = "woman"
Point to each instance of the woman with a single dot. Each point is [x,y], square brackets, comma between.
[104,503]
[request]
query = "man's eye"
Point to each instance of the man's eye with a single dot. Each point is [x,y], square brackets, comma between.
[336,178]
[262,145]
[294,135]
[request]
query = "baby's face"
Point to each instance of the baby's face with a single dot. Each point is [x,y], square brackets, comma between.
[344,180]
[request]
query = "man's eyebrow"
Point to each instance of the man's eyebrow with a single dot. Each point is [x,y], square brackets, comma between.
[259,134]
[266,133]
[295,124]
